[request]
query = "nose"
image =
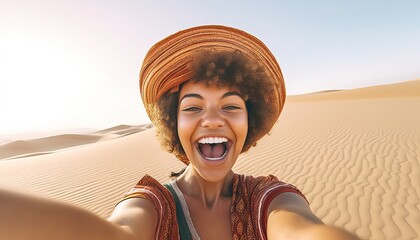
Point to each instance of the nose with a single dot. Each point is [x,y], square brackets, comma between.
[212,119]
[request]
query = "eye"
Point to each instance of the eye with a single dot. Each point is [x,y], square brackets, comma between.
[231,107]
[191,109]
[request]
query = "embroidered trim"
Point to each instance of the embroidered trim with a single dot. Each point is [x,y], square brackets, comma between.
[144,190]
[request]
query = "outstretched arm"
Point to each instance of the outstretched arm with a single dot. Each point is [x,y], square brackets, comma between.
[138,216]
[27,217]
[289,217]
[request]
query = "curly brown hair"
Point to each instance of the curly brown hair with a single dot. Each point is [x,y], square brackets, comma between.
[232,69]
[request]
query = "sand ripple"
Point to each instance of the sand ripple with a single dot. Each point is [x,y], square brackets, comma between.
[359,166]
[356,160]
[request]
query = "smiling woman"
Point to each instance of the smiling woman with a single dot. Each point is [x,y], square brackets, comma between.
[212,92]
[225,120]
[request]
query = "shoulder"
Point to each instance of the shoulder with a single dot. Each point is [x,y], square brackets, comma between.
[276,195]
[282,205]
[150,189]
[264,194]
[146,209]
[266,186]
[136,215]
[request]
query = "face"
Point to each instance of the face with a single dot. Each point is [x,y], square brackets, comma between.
[212,128]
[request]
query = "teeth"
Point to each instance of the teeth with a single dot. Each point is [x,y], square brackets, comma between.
[212,140]
[217,159]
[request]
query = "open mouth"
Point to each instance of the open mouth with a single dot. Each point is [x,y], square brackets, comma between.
[213,148]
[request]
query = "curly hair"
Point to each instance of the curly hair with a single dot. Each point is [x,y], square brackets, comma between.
[232,69]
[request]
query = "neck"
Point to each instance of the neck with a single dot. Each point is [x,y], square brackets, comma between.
[209,193]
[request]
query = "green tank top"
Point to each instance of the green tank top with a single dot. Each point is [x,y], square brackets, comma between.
[185,226]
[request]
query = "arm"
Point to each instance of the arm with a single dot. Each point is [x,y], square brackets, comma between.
[289,217]
[137,216]
[26,217]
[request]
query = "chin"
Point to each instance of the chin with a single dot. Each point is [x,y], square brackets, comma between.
[213,176]
[214,171]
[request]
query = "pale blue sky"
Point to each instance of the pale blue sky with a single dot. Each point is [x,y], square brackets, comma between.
[74,64]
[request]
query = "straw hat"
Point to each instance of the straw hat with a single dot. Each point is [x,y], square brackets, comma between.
[168,62]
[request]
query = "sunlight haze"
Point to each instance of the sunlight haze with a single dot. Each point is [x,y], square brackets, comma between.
[75,64]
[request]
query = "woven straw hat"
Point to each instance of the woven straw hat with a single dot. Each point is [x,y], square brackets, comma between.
[168,63]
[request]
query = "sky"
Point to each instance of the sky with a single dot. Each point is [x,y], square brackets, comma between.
[75,64]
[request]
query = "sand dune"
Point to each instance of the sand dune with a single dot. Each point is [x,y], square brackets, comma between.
[403,89]
[47,145]
[356,160]
[124,130]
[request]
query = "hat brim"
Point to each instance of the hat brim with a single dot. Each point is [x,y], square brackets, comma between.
[168,63]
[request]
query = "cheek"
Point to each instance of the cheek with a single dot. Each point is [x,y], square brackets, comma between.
[184,127]
[240,126]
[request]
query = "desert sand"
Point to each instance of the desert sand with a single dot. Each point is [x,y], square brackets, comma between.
[355,155]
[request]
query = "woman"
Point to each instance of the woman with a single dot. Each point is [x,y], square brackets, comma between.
[212,93]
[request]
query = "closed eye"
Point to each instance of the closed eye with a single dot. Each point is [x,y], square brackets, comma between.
[191,109]
[231,107]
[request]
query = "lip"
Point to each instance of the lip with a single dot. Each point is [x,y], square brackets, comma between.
[229,145]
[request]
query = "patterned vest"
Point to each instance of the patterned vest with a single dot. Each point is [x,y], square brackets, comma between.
[250,201]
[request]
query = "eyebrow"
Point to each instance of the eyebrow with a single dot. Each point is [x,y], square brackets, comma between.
[191,95]
[195,95]
[231,94]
